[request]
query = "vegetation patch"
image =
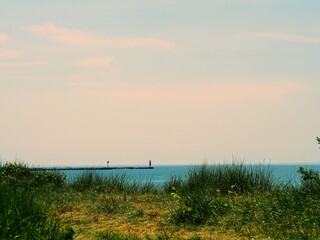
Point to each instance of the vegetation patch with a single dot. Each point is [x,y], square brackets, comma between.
[233,201]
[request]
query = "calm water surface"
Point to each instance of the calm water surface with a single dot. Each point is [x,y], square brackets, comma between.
[161,174]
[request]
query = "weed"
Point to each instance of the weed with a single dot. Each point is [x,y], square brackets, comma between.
[110,205]
[115,236]
[18,175]
[235,196]
[245,179]
[22,217]
[88,181]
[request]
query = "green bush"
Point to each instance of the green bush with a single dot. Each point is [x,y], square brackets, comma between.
[118,236]
[47,178]
[22,217]
[88,181]
[15,175]
[199,209]
[193,210]
[286,212]
[173,183]
[310,181]
[115,236]
[245,179]
[18,175]
[92,181]
[209,192]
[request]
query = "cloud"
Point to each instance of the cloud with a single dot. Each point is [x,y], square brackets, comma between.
[285,37]
[10,53]
[206,93]
[252,1]
[13,59]
[96,62]
[23,64]
[3,37]
[83,39]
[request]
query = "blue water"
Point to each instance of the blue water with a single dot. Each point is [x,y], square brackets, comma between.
[160,174]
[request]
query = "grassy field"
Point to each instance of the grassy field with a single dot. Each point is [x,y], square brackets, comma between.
[213,202]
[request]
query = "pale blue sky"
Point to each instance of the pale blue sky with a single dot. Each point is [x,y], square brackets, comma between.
[178,82]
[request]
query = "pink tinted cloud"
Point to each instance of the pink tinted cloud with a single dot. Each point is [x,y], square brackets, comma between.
[10,53]
[96,62]
[68,36]
[286,37]
[3,37]
[216,94]
[22,64]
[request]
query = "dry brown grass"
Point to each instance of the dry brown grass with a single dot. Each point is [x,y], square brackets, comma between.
[137,215]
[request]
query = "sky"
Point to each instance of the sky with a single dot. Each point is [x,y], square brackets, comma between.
[172,81]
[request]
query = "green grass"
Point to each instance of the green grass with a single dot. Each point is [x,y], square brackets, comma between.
[235,197]
[18,175]
[208,179]
[24,207]
[92,181]
[22,217]
[209,191]
[246,199]
[117,236]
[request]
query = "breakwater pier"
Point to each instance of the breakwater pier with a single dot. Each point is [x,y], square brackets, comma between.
[65,168]
[84,168]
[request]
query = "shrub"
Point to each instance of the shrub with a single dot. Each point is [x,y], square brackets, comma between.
[193,210]
[88,181]
[115,236]
[173,183]
[15,175]
[212,191]
[22,217]
[111,205]
[288,214]
[46,178]
[92,181]
[245,179]
[310,181]
[198,209]
[18,175]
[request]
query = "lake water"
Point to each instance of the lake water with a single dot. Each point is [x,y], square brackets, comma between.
[160,174]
